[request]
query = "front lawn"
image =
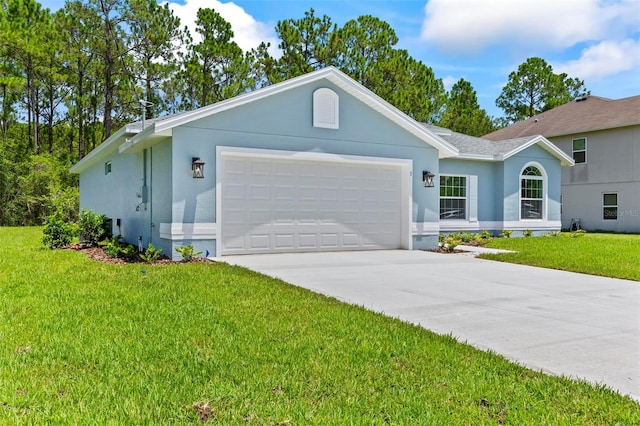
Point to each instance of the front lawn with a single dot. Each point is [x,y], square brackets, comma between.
[83,342]
[610,255]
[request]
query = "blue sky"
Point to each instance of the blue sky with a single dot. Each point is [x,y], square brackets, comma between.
[481,41]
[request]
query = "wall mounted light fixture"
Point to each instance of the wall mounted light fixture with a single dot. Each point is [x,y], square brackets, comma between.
[427,178]
[197,167]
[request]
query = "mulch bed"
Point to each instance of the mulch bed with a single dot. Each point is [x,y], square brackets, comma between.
[100,255]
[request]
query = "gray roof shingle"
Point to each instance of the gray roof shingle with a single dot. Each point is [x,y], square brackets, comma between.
[472,145]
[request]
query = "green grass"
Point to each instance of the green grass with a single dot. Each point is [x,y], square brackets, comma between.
[88,343]
[610,255]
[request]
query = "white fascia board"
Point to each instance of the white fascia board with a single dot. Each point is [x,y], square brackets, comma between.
[101,150]
[136,140]
[445,149]
[338,78]
[480,157]
[565,160]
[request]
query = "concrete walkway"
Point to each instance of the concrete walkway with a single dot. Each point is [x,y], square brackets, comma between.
[563,323]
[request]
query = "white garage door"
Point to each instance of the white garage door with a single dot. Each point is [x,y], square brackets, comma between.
[271,205]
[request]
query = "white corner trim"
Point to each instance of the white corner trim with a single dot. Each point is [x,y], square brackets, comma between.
[188,231]
[425,228]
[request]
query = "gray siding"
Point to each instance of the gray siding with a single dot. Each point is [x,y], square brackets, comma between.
[612,166]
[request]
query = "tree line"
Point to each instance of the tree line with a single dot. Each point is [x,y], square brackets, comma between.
[70,78]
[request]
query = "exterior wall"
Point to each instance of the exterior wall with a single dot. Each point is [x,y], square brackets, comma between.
[489,201]
[116,194]
[284,122]
[551,170]
[613,165]
[160,192]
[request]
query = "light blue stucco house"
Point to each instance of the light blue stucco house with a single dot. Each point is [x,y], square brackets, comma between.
[315,163]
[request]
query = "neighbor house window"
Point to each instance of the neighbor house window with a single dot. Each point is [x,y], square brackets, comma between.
[610,206]
[531,193]
[107,167]
[580,150]
[453,197]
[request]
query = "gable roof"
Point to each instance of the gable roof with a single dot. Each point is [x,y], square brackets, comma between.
[474,148]
[162,127]
[586,114]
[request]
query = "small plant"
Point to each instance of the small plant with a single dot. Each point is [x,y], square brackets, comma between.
[486,234]
[57,233]
[578,233]
[118,249]
[151,254]
[92,227]
[506,233]
[527,233]
[451,242]
[554,234]
[187,252]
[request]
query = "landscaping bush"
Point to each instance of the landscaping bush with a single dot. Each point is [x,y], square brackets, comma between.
[151,254]
[116,248]
[57,233]
[187,252]
[506,233]
[93,227]
[527,233]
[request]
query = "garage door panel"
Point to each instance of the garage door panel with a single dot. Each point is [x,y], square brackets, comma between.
[271,205]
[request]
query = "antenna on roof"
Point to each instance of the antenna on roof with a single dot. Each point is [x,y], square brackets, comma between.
[144,105]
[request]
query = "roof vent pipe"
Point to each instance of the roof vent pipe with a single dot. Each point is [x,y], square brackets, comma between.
[144,105]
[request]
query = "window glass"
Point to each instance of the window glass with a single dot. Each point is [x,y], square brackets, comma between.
[531,194]
[610,206]
[453,197]
[580,150]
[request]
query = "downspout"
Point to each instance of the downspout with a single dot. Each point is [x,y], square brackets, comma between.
[151,224]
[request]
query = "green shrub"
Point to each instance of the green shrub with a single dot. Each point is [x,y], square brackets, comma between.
[151,254]
[187,252]
[506,233]
[57,233]
[118,249]
[92,227]
[527,233]
[451,242]
[554,234]
[486,234]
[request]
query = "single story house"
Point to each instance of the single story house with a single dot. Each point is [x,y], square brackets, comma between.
[315,163]
[602,191]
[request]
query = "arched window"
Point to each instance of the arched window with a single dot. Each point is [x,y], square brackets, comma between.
[531,193]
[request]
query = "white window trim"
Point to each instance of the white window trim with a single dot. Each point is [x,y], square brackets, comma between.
[573,151]
[466,198]
[545,181]
[617,206]
[471,202]
[107,168]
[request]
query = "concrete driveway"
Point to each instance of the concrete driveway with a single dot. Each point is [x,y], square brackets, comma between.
[563,323]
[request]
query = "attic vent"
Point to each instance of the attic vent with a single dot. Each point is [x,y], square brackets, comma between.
[326,112]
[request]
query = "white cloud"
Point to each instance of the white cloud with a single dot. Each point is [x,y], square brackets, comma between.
[472,25]
[449,81]
[603,59]
[248,33]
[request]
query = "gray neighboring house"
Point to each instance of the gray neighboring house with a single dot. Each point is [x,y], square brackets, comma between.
[602,190]
[314,163]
